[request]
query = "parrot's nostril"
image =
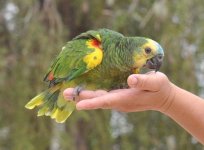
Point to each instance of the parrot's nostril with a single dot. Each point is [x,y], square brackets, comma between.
[160,57]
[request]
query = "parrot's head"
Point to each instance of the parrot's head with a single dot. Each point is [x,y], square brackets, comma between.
[147,53]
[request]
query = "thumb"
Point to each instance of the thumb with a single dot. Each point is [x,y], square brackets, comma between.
[152,81]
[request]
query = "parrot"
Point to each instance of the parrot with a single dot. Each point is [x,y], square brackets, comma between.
[95,59]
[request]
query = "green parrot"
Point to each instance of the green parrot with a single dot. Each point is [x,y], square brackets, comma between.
[96,59]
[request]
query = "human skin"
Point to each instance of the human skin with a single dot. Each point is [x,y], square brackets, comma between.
[151,91]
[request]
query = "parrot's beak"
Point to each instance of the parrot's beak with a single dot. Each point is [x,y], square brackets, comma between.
[155,62]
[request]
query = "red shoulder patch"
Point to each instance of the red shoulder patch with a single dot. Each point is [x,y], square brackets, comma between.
[50,76]
[95,43]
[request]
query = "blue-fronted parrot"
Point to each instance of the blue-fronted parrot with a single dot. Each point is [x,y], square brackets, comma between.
[96,59]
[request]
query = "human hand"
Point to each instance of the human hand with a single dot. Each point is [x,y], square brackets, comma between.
[151,91]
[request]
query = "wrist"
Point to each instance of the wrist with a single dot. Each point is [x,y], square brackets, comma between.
[169,99]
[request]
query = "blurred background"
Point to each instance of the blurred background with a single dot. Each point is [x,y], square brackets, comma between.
[32,34]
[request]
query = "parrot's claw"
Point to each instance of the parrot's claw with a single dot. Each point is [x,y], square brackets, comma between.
[76,92]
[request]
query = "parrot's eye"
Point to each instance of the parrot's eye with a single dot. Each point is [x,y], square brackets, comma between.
[148,50]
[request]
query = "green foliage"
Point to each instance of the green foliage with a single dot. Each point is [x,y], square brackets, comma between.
[40,30]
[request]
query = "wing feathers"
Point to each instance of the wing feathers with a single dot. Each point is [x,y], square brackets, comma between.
[79,56]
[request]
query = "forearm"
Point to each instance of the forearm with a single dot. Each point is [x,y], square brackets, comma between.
[187,110]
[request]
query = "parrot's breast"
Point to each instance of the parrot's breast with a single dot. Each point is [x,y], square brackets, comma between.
[103,78]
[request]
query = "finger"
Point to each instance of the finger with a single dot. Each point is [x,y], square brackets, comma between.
[84,94]
[152,81]
[107,101]
[116,91]
[103,102]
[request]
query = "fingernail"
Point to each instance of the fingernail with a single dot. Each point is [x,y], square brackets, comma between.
[69,98]
[68,94]
[134,80]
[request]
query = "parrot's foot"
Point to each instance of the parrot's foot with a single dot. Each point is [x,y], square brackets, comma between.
[76,92]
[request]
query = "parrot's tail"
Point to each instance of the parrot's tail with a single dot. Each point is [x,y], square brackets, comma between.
[52,103]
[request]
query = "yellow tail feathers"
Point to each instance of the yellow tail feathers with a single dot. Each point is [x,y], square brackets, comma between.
[52,103]
[36,101]
[60,115]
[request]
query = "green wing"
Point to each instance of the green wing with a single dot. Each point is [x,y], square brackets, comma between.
[77,57]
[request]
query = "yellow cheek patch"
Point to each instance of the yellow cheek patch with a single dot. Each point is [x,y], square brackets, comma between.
[151,44]
[95,58]
[140,61]
[142,57]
